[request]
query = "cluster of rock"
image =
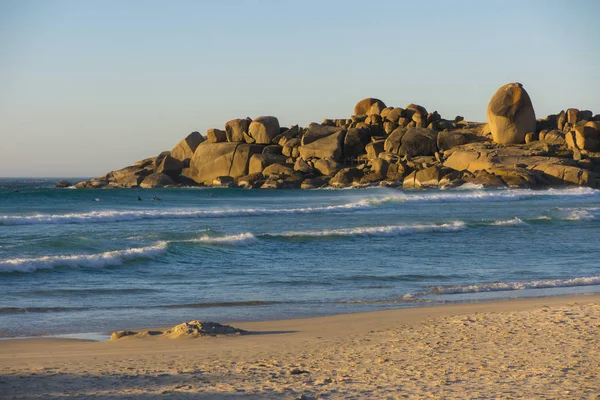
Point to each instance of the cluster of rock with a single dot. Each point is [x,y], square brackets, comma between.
[383,145]
[192,329]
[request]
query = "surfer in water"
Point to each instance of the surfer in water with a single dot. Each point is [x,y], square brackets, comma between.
[139,198]
[155,197]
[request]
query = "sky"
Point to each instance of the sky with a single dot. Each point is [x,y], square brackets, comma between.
[92,86]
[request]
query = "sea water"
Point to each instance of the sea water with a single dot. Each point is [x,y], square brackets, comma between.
[97,260]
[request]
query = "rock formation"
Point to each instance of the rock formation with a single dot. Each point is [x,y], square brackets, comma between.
[510,114]
[192,329]
[378,145]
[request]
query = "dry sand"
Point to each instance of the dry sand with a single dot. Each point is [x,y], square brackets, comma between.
[535,348]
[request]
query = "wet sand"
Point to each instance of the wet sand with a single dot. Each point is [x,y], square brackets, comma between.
[524,348]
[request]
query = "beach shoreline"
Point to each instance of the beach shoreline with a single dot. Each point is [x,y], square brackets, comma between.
[517,348]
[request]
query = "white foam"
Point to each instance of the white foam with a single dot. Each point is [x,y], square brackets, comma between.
[580,215]
[510,222]
[100,260]
[392,230]
[506,286]
[464,196]
[240,239]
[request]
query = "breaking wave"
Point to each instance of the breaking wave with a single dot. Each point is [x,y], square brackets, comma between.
[511,222]
[241,239]
[454,196]
[392,230]
[136,215]
[106,259]
[580,215]
[460,196]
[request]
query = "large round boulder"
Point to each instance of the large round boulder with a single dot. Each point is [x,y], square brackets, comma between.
[369,106]
[510,114]
[264,129]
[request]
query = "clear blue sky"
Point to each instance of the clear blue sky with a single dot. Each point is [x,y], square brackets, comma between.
[91,86]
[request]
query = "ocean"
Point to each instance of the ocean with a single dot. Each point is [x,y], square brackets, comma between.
[83,261]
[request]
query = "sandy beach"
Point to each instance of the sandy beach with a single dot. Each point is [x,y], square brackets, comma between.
[523,348]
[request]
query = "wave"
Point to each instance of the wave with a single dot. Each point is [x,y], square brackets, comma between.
[362,204]
[137,215]
[393,230]
[398,278]
[511,222]
[240,239]
[499,195]
[118,257]
[541,218]
[580,215]
[109,258]
[508,286]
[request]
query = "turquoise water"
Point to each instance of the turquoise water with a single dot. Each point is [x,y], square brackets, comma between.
[97,260]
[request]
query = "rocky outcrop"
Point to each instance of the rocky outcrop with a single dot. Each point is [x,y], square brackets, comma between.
[63,184]
[518,168]
[510,114]
[388,146]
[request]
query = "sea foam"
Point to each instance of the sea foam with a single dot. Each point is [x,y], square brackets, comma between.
[240,239]
[580,215]
[510,222]
[391,230]
[506,286]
